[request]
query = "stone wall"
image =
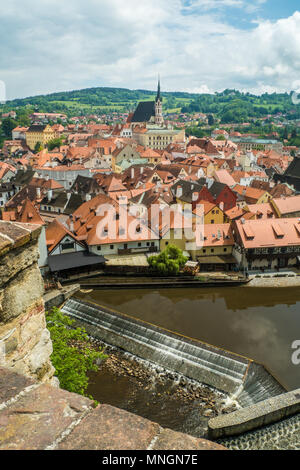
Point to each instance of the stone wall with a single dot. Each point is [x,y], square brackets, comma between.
[25,344]
[36,416]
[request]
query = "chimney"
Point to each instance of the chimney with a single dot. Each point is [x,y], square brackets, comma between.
[142,170]
[38,193]
[132,173]
[88,197]
[179,191]
[69,195]
[50,194]
[195,197]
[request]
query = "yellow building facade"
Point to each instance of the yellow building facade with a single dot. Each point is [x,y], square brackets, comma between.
[39,134]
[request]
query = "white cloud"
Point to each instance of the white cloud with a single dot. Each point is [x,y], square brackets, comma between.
[55,45]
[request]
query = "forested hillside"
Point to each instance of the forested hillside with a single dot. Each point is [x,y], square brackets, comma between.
[229,106]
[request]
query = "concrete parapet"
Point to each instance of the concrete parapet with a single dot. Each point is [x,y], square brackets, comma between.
[255,416]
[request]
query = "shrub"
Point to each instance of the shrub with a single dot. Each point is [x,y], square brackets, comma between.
[73,355]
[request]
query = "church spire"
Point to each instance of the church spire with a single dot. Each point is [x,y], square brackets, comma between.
[159,119]
[158,97]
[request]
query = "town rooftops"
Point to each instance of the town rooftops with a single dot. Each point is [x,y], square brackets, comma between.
[218,235]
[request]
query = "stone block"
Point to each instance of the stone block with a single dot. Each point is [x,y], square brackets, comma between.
[17,260]
[12,384]
[39,418]
[39,356]
[108,428]
[26,288]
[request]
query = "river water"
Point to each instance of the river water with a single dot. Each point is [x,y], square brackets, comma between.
[260,323]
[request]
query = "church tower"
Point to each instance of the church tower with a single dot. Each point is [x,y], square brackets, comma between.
[159,120]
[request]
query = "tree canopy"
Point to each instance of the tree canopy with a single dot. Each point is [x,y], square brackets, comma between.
[169,262]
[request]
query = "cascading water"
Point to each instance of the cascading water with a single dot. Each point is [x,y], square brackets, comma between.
[244,380]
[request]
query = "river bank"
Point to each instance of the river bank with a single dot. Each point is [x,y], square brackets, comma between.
[274,280]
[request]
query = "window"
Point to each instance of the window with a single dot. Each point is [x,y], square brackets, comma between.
[212,250]
[68,246]
[212,221]
[225,249]
[99,248]
[139,245]
[112,247]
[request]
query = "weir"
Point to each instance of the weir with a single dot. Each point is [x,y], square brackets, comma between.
[244,380]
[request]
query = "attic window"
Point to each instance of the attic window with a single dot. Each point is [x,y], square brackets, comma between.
[278,230]
[248,232]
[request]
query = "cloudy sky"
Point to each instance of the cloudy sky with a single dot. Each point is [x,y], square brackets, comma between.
[195,45]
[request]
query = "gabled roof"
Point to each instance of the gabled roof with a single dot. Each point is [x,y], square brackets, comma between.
[23,177]
[269,233]
[27,214]
[36,128]
[188,188]
[55,232]
[216,188]
[287,205]
[144,112]
[27,192]
[85,185]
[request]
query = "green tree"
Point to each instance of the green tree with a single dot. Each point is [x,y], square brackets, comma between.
[8,125]
[73,356]
[38,147]
[294,134]
[210,120]
[52,144]
[169,262]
